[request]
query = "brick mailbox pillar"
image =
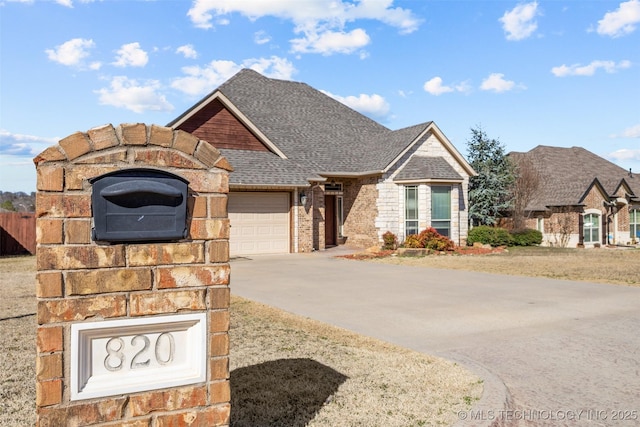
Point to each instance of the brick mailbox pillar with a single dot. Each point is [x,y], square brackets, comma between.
[131,333]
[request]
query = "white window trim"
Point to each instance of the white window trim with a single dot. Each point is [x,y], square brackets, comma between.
[597,212]
[637,223]
[417,219]
[340,215]
[451,208]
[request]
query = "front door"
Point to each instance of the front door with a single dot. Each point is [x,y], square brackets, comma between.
[330,231]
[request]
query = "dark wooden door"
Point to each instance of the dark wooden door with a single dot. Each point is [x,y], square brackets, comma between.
[330,231]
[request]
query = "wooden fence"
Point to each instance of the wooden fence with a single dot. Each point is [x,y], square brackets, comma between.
[17,233]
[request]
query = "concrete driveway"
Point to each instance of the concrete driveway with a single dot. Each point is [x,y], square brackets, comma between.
[567,352]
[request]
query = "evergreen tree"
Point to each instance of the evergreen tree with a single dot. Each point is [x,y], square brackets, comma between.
[489,191]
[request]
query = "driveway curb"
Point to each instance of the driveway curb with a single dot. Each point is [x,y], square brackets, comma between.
[495,400]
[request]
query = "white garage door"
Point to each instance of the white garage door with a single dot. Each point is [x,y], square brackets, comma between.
[259,223]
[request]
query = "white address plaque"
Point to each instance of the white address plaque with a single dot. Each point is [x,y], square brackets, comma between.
[131,355]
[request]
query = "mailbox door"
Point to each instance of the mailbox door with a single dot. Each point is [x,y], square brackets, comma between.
[139,205]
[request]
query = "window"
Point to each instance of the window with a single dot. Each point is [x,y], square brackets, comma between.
[340,216]
[335,187]
[410,210]
[441,210]
[591,228]
[540,225]
[634,223]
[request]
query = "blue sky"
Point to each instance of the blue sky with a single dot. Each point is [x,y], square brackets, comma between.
[561,73]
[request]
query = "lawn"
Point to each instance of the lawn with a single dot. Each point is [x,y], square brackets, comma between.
[285,370]
[602,265]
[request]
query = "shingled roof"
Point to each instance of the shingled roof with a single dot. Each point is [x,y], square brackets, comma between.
[566,174]
[272,171]
[421,167]
[317,134]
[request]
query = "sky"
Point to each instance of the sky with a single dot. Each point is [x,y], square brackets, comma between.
[559,72]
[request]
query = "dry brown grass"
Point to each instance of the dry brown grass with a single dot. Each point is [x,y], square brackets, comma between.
[604,265]
[17,332]
[285,369]
[358,381]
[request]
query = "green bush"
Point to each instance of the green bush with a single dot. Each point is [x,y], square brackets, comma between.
[494,236]
[429,239]
[526,237]
[390,241]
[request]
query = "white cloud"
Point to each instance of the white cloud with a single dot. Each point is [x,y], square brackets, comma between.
[129,94]
[202,80]
[261,37]
[590,69]
[131,55]
[188,51]
[72,52]
[463,87]
[622,21]
[496,83]
[15,144]
[371,105]
[625,155]
[632,132]
[519,23]
[435,87]
[330,42]
[65,3]
[274,67]
[320,23]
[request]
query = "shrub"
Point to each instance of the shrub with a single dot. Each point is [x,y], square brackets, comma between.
[526,237]
[494,236]
[412,241]
[390,241]
[429,239]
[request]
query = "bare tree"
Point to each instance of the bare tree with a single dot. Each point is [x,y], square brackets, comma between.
[524,188]
[562,225]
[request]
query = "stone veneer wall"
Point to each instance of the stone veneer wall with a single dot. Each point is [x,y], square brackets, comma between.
[391,200]
[79,280]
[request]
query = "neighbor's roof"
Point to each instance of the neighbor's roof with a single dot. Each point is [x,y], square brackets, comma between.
[310,129]
[566,174]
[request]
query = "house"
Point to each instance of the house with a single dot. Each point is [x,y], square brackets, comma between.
[310,172]
[581,199]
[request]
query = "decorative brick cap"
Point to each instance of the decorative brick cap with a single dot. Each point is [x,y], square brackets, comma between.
[81,144]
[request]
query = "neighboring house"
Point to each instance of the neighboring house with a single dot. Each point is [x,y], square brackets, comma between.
[582,199]
[310,172]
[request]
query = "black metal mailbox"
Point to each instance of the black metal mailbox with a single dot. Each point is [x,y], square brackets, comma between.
[139,205]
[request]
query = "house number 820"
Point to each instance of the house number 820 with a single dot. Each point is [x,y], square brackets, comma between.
[116,355]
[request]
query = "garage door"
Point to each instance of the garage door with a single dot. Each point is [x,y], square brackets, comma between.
[259,223]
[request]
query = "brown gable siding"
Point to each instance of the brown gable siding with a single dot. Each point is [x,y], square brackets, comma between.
[215,124]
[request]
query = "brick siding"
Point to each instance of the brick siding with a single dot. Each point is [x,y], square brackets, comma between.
[78,279]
